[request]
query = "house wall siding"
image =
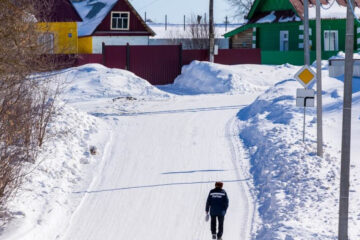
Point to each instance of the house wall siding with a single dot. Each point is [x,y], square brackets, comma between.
[135,24]
[243,39]
[85,45]
[119,41]
[269,36]
[269,40]
[65,36]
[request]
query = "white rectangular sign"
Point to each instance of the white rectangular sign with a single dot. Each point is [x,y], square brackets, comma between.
[305,97]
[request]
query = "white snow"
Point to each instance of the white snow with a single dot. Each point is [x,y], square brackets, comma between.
[94,81]
[160,149]
[204,77]
[297,191]
[341,55]
[267,19]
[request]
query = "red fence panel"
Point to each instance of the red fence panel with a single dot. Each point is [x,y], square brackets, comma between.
[190,55]
[238,56]
[157,64]
[83,59]
[115,56]
[161,64]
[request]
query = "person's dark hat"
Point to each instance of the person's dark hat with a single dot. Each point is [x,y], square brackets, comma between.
[219,184]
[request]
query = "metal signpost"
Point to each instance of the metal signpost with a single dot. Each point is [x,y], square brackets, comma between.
[305,97]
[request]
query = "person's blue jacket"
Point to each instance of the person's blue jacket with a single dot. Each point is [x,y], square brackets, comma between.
[217,202]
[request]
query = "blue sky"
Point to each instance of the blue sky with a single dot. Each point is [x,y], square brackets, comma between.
[175,9]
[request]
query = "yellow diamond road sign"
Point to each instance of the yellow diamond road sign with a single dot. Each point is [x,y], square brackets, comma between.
[305,76]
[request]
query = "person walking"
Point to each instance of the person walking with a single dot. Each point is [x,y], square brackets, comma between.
[217,202]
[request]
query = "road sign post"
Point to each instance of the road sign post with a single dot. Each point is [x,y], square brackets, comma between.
[305,97]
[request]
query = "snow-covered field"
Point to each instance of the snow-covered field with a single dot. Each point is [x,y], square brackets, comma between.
[159,151]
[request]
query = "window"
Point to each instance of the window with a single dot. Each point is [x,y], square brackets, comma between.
[331,42]
[120,20]
[284,40]
[46,41]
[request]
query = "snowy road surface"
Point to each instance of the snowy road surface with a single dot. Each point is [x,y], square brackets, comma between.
[157,170]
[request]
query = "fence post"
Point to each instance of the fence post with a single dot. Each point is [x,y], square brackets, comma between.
[180,57]
[103,54]
[128,56]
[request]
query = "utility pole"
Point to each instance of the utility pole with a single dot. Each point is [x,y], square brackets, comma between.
[211,31]
[226,23]
[346,126]
[184,23]
[145,17]
[165,21]
[306,33]
[319,82]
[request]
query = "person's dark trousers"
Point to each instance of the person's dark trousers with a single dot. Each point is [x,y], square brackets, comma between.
[221,225]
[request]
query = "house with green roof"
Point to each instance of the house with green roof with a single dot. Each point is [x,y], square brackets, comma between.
[276,27]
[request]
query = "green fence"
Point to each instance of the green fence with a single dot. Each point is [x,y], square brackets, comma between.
[292,57]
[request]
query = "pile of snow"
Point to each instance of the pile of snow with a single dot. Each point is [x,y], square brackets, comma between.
[205,77]
[341,55]
[94,81]
[296,190]
[44,203]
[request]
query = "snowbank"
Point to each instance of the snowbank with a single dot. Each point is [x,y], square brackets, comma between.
[93,81]
[341,55]
[298,191]
[205,77]
[45,203]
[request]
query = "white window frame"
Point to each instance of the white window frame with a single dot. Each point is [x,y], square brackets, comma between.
[327,45]
[111,20]
[283,40]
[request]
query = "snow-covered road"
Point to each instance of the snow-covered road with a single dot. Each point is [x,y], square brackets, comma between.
[157,170]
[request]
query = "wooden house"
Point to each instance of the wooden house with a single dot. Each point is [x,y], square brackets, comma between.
[276,27]
[59,26]
[113,22]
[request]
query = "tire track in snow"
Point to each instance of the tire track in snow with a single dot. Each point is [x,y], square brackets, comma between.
[239,156]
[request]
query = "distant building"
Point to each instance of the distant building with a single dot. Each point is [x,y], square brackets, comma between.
[59,27]
[191,36]
[275,26]
[113,22]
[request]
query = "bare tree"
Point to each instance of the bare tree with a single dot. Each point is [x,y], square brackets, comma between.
[26,102]
[241,7]
[199,32]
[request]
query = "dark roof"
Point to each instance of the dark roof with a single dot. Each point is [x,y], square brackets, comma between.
[95,13]
[281,16]
[58,11]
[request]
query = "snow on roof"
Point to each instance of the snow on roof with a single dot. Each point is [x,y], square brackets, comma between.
[92,12]
[176,31]
[334,12]
[268,18]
